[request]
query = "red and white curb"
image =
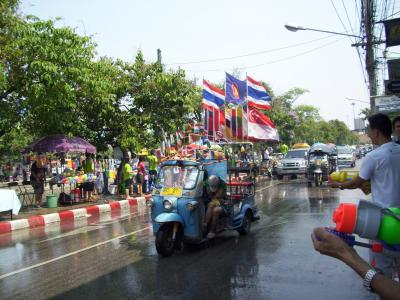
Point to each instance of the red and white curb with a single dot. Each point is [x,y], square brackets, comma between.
[68,218]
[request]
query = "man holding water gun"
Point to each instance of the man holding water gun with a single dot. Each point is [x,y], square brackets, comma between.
[331,245]
[382,168]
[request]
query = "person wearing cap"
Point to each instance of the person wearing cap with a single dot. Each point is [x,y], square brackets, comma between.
[382,167]
[331,245]
[216,191]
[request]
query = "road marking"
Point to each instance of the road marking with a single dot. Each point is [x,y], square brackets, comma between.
[71,253]
[91,227]
[270,186]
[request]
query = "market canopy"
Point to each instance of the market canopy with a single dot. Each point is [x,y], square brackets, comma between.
[61,143]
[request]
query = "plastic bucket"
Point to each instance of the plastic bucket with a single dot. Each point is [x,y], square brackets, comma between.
[51,201]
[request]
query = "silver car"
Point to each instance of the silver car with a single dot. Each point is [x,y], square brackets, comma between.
[346,156]
[294,163]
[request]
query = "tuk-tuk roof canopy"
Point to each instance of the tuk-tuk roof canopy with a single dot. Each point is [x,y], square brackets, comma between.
[321,147]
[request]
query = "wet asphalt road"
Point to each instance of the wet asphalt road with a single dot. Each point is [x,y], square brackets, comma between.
[117,259]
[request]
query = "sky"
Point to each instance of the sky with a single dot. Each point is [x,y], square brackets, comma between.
[208,38]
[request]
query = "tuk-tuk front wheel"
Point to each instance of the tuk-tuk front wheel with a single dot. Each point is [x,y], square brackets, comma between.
[165,244]
[246,225]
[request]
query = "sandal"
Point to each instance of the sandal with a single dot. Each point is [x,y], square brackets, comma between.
[210,235]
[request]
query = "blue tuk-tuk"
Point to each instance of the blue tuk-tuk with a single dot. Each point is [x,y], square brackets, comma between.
[178,205]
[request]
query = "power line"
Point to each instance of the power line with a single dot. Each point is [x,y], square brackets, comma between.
[340,19]
[248,54]
[274,61]
[348,19]
[397,12]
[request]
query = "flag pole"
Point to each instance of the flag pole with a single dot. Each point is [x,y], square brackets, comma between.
[247,111]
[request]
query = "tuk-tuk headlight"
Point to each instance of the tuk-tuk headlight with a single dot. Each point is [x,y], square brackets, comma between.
[167,205]
[150,202]
[192,205]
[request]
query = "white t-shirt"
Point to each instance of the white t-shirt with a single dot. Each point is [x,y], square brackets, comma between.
[382,167]
[266,154]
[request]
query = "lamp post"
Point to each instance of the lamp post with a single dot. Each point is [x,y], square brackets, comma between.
[296,28]
[354,115]
[369,56]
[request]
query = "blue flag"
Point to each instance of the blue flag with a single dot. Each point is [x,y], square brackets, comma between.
[235,90]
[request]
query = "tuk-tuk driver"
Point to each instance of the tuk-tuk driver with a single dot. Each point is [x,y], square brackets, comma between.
[216,191]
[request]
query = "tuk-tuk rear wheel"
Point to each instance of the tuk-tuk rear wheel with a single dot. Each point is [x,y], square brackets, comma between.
[246,225]
[165,245]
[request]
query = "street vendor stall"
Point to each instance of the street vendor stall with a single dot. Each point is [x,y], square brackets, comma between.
[62,145]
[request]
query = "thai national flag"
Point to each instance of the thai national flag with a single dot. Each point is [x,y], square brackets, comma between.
[213,97]
[257,95]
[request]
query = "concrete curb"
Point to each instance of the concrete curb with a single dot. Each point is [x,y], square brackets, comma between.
[69,216]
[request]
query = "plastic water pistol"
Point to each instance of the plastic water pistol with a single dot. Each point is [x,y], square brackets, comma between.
[344,176]
[371,221]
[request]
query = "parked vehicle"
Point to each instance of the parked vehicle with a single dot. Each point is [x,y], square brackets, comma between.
[322,161]
[294,163]
[178,207]
[346,156]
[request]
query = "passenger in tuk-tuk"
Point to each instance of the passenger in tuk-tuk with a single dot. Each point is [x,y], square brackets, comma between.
[216,192]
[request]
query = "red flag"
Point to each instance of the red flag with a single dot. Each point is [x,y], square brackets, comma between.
[260,127]
[221,132]
[233,124]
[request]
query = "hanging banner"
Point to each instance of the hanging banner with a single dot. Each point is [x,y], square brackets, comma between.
[392,31]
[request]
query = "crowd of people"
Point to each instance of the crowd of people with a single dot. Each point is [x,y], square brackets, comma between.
[136,175]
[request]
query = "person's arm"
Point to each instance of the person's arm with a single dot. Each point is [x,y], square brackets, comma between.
[355,183]
[331,245]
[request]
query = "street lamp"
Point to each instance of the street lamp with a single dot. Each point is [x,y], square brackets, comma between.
[296,28]
[369,55]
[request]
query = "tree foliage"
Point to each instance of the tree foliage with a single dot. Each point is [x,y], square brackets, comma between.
[51,81]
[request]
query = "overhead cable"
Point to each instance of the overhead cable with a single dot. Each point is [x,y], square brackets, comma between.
[248,54]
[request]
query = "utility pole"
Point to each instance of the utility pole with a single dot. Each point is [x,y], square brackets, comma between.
[368,15]
[159,58]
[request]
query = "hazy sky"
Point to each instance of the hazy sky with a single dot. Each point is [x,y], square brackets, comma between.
[251,31]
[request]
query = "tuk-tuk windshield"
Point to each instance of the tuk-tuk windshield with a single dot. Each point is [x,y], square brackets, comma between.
[320,156]
[178,176]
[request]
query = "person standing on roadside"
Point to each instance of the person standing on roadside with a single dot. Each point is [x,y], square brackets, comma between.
[141,173]
[88,168]
[127,174]
[381,167]
[38,178]
[396,129]
[152,159]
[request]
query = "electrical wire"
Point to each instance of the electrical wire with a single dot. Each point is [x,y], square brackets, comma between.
[274,61]
[393,14]
[353,31]
[249,54]
[348,19]
[340,19]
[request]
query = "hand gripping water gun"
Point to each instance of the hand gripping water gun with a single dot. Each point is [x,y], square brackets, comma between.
[370,221]
[344,176]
